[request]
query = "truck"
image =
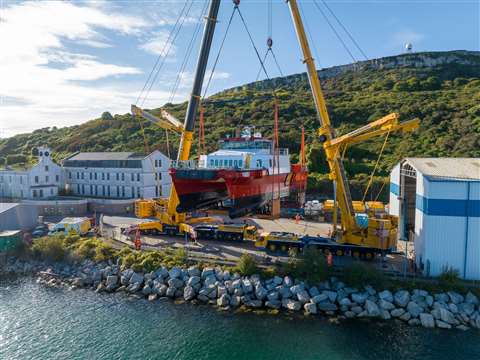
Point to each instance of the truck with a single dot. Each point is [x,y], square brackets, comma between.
[226,232]
[72,226]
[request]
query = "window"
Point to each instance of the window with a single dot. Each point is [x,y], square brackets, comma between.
[21,179]
[108,176]
[211,162]
[57,178]
[230,162]
[156,176]
[41,193]
[123,176]
[103,176]
[118,191]
[159,163]
[46,167]
[51,191]
[133,192]
[132,178]
[69,174]
[123,191]
[103,190]
[90,175]
[156,191]
[95,176]
[83,189]
[156,163]
[83,175]
[96,190]
[36,179]
[118,176]
[34,193]
[235,163]
[46,178]
[108,190]
[138,176]
[78,188]
[270,162]
[259,163]
[78,175]
[138,192]
[216,162]
[91,189]
[160,176]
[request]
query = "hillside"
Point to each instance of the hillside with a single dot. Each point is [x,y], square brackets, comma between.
[441,88]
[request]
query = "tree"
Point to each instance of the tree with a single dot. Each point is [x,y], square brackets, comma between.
[107,116]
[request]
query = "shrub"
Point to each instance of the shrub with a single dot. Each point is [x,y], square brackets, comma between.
[71,240]
[310,265]
[180,256]
[449,278]
[246,265]
[86,249]
[49,248]
[103,252]
[359,274]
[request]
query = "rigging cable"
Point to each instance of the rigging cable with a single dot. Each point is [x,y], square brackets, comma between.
[310,35]
[375,168]
[168,50]
[188,53]
[334,31]
[162,53]
[345,29]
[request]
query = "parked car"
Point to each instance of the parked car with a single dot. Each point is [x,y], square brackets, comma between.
[40,231]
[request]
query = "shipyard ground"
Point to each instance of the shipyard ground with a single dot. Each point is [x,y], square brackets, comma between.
[229,252]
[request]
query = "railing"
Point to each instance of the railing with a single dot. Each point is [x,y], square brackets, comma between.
[187,164]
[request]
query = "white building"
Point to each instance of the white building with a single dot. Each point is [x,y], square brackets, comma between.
[438,204]
[118,175]
[43,180]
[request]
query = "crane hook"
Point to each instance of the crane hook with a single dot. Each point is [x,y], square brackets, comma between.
[236,2]
[269,42]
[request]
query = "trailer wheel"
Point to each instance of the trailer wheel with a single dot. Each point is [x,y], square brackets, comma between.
[356,254]
[326,251]
[369,256]
[339,252]
[272,247]
[284,248]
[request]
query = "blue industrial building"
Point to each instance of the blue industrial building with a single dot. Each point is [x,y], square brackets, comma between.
[438,204]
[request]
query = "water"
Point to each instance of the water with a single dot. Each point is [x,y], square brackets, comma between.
[42,323]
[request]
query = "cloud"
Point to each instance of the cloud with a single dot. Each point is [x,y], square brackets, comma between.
[156,44]
[43,82]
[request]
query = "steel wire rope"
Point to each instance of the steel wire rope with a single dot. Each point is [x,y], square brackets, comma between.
[310,35]
[346,30]
[375,167]
[188,53]
[161,53]
[334,31]
[168,51]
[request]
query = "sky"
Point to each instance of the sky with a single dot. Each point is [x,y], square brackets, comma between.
[65,62]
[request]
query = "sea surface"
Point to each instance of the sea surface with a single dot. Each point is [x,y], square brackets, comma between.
[43,323]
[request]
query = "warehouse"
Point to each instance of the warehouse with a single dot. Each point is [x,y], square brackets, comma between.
[14,216]
[438,204]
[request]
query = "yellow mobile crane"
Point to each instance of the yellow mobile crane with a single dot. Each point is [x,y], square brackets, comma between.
[169,220]
[381,233]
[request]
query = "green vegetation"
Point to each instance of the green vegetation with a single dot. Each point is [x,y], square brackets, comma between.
[50,248]
[445,97]
[246,265]
[361,273]
[310,265]
[449,277]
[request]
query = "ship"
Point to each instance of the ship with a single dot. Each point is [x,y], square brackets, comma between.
[244,175]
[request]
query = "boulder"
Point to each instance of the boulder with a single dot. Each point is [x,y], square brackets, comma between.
[349,314]
[161,273]
[359,298]
[414,322]
[455,297]
[272,295]
[386,305]
[208,271]
[386,296]
[273,304]
[171,292]
[132,288]
[188,293]
[466,308]
[436,313]
[414,309]
[471,299]
[193,271]
[310,308]
[226,275]
[370,290]
[427,320]
[453,308]
[79,282]
[332,295]
[443,325]
[385,315]
[223,300]
[147,290]
[193,280]
[176,283]
[405,317]
[345,302]
[396,313]
[285,293]
[277,280]
[111,282]
[287,281]
[372,308]
[247,286]
[260,292]
[313,291]
[235,301]
[254,303]
[442,297]
[136,278]
[210,280]
[448,317]
[152,297]
[462,327]
[357,309]
[327,306]
[401,298]
[320,298]
[221,290]
[162,290]
[303,296]
[291,304]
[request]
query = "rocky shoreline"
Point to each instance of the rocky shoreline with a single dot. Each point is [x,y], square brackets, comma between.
[449,310]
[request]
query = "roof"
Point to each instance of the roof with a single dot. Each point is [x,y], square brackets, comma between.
[106,156]
[7,206]
[74,220]
[447,168]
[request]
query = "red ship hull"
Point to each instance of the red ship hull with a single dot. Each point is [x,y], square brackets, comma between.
[246,190]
